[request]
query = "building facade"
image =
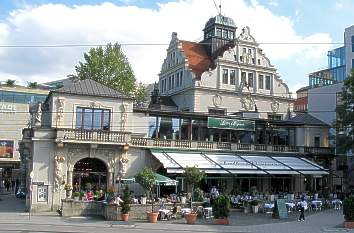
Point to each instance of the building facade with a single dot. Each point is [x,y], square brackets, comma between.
[224,74]
[15,103]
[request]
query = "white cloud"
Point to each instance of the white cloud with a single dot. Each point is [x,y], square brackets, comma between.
[274,3]
[106,22]
[338,5]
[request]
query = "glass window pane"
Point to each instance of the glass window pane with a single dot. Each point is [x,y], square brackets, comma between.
[106,119]
[225,76]
[268,82]
[232,77]
[88,118]
[250,79]
[97,119]
[79,118]
[20,98]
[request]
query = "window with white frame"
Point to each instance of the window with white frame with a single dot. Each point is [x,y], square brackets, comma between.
[267,82]
[225,76]
[42,193]
[250,79]
[232,77]
[243,77]
[173,81]
[260,82]
[177,79]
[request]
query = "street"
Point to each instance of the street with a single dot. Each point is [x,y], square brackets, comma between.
[13,219]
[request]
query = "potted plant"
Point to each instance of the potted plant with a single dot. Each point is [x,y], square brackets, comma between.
[221,209]
[146,178]
[193,176]
[126,204]
[254,204]
[76,196]
[348,211]
[68,189]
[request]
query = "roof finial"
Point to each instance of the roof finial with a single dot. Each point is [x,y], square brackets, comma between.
[220,8]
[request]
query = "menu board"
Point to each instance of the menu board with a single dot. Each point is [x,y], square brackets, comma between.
[6,149]
[280,211]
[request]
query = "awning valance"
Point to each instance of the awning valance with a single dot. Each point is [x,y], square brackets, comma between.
[236,163]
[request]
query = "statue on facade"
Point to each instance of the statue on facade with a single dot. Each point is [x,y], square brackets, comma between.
[124,116]
[274,105]
[58,160]
[60,111]
[36,115]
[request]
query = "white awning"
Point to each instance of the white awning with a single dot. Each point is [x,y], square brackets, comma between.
[235,163]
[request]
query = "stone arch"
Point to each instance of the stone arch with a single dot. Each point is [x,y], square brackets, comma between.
[91,170]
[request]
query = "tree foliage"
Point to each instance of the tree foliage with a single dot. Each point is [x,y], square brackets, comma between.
[146,178]
[345,116]
[126,200]
[193,176]
[109,66]
[32,84]
[10,82]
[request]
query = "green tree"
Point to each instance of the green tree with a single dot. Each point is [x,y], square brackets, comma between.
[146,178]
[10,82]
[109,66]
[193,176]
[345,116]
[32,84]
[126,200]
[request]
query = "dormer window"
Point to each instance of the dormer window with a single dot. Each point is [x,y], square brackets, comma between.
[93,118]
[218,32]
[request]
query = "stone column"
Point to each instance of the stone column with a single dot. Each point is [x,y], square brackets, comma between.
[109,178]
[69,180]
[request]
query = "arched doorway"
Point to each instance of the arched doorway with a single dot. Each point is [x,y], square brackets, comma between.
[89,174]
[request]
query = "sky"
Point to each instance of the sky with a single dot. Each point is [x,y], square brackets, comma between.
[294,34]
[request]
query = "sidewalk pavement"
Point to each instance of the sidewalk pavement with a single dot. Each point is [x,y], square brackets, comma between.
[11,212]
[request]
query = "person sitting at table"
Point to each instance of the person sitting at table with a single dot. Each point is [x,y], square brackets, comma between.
[101,196]
[116,200]
[89,196]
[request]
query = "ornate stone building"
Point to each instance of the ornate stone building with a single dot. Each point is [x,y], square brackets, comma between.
[223,74]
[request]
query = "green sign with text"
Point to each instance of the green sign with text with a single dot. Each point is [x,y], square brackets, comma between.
[236,124]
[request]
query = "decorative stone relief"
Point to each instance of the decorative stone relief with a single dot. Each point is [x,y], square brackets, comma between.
[274,105]
[217,100]
[60,111]
[247,102]
[124,116]
[245,35]
[123,164]
[36,115]
[58,176]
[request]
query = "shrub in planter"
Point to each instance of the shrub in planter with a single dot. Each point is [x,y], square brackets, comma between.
[198,195]
[76,195]
[146,178]
[193,176]
[221,208]
[126,204]
[348,211]
[254,204]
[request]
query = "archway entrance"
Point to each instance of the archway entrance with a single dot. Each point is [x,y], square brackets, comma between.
[89,174]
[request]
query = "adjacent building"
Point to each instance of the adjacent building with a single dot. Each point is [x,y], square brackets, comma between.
[15,103]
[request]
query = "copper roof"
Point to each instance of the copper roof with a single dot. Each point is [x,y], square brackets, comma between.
[198,59]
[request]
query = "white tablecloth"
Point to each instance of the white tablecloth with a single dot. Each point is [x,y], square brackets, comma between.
[290,204]
[268,205]
[186,210]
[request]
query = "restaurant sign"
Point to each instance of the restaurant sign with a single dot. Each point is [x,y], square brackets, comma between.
[236,124]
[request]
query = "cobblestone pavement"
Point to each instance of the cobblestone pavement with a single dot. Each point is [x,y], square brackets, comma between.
[13,219]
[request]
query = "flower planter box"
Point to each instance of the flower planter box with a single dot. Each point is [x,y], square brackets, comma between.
[152,217]
[191,218]
[349,225]
[222,221]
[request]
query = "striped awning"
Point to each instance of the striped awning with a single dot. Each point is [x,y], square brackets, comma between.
[236,163]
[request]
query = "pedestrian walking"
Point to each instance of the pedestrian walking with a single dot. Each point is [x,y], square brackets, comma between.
[303,206]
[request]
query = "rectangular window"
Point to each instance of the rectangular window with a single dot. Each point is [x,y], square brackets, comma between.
[231,34]
[93,118]
[250,51]
[42,193]
[317,141]
[244,50]
[241,59]
[260,81]
[232,77]
[181,78]
[217,111]
[169,83]
[253,61]
[177,79]
[259,61]
[243,77]
[250,79]
[225,33]
[161,86]
[352,63]
[267,83]
[173,81]
[274,117]
[218,32]
[225,76]
[353,44]
[165,85]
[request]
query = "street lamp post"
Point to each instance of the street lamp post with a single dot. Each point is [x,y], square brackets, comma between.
[31,175]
